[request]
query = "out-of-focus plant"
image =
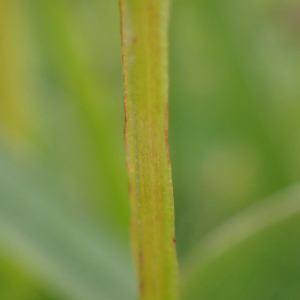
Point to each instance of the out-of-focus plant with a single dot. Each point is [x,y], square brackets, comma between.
[234,142]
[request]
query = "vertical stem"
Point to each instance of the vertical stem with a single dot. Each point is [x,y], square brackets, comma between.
[144,25]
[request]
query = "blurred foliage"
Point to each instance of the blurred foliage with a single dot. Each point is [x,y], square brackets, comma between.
[234,140]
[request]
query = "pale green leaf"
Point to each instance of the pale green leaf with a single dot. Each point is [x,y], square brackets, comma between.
[78,260]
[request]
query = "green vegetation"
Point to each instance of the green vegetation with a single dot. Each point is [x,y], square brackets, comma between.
[144,27]
[234,69]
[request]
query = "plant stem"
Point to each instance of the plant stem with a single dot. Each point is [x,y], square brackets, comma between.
[144,25]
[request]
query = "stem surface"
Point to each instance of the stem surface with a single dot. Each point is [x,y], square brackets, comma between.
[144,26]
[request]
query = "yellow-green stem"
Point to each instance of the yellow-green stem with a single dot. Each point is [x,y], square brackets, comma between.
[144,25]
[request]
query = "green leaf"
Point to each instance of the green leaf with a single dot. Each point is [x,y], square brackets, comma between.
[65,57]
[144,41]
[67,254]
[251,256]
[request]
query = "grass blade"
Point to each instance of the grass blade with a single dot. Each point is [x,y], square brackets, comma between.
[144,40]
[249,229]
[65,57]
[62,252]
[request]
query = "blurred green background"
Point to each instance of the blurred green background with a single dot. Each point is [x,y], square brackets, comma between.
[234,142]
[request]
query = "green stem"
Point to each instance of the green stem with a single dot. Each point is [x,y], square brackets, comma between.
[144,26]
